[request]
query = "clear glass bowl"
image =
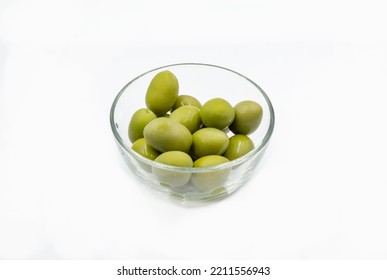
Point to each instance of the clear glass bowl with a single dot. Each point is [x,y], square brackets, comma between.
[204,82]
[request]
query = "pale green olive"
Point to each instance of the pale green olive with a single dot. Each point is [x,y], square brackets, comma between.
[217,112]
[248,116]
[189,116]
[210,180]
[165,134]
[238,146]
[209,141]
[143,148]
[137,123]
[183,100]
[162,92]
[169,178]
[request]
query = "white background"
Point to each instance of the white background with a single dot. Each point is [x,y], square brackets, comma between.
[319,193]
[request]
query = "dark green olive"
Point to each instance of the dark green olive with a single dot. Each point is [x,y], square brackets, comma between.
[238,146]
[248,116]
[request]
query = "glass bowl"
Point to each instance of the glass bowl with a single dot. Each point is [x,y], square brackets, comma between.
[203,81]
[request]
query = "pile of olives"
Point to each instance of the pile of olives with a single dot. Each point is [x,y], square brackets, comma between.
[178,130]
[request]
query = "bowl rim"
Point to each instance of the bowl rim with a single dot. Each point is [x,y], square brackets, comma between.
[226,165]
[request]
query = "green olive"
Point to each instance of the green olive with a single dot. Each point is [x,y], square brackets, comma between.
[217,113]
[248,116]
[137,123]
[239,146]
[210,180]
[165,134]
[143,148]
[183,100]
[162,92]
[189,116]
[169,178]
[209,141]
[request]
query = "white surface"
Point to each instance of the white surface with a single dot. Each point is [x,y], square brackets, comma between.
[320,191]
